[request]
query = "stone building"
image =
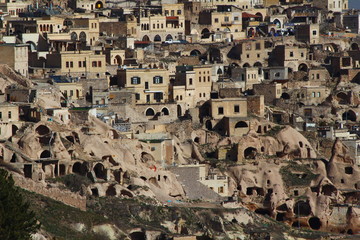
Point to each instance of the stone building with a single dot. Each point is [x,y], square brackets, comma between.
[332,5]
[250,53]
[9,119]
[16,57]
[150,85]
[193,84]
[169,24]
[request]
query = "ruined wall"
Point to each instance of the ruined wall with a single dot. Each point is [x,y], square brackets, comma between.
[115,28]
[64,196]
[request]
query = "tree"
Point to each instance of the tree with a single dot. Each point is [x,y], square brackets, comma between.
[16,220]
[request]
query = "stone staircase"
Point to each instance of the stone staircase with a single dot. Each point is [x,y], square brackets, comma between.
[189,178]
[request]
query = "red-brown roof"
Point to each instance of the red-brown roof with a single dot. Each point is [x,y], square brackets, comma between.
[172,18]
[142,42]
[249,15]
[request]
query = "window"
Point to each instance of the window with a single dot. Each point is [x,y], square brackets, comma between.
[247,56]
[158,96]
[291,54]
[71,64]
[190,81]
[94,64]
[135,80]
[99,63]
[0,115]
[236,109]
[318,94]
[80,64]
[314,32]
[302,54]
[313,94]
[236,18]
[317,76]
[208,78]
[9,114]
[178,12]
[258,55]
[216,20]
[71,93]
[226,19]
[137,96]
[84,63]
[199,79]
[158,80]
[257,46]
[221,189]
[166,12]
[220,110]
[67,64]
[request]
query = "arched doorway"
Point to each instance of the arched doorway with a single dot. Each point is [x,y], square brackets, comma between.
[118,60]
[14,129]
[165,111]
[146,38]
[73,36]
[354,47]
[168,37]
[349,116]
[250,153]
[195,52]
[257,64]
[45,154]
[157,38]
[241,124]
[277,23]
[99,5]
[205,33]
[251,32]
[260,16]
[303,67]
[77,168]
[149,112]
[285,96]
[100,171]
[246,65]
[82,37]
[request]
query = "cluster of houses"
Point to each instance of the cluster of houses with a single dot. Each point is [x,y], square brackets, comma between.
[140,65]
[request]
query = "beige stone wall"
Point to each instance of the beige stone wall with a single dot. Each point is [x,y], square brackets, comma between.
[228,107]
[256,105]
[73,91]
[148,87]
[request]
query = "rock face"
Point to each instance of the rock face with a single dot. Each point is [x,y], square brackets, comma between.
[275,171]
[113,162]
